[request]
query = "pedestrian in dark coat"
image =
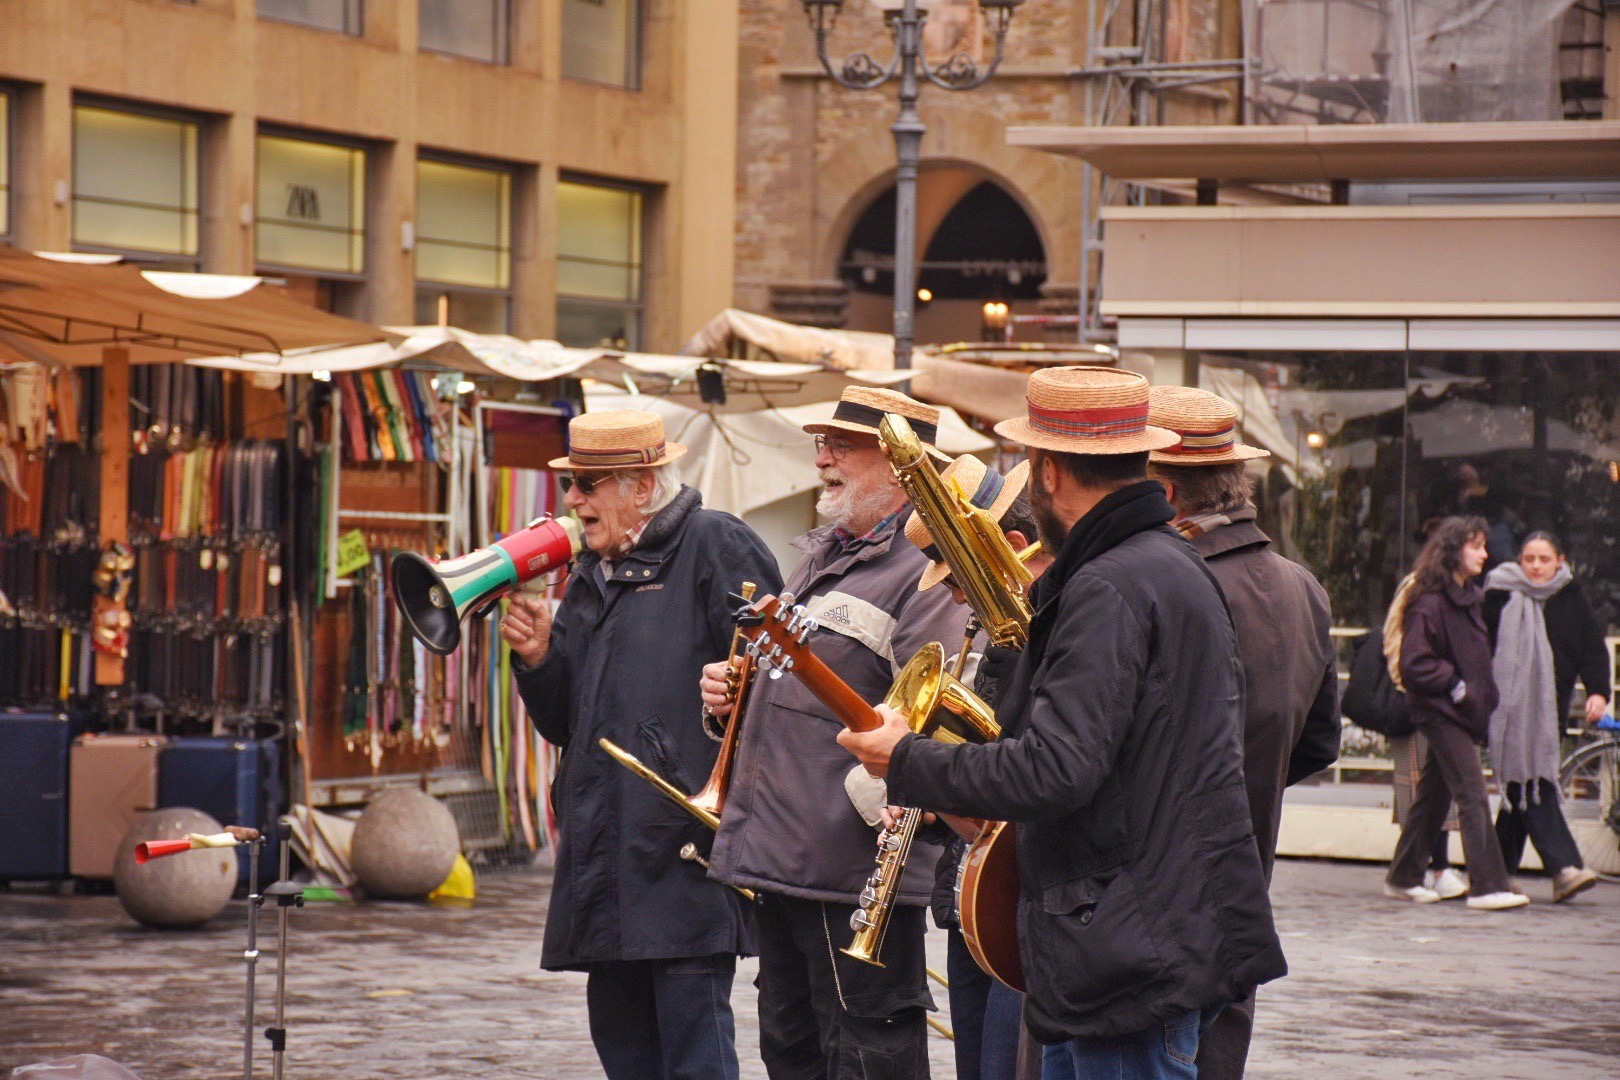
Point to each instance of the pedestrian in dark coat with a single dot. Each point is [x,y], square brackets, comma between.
[1283,623]
[1142,908]
[645,608]
[792,830]
[1445,669]
[1542,631]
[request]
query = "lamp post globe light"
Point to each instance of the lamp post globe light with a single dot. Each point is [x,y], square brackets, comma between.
[908,66]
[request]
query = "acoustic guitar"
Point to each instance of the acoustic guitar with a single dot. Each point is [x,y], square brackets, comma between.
[987,883]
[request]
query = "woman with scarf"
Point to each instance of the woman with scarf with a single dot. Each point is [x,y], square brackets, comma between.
[1545,634]
[1445,669]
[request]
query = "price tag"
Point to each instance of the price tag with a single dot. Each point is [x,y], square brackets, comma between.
[352,553]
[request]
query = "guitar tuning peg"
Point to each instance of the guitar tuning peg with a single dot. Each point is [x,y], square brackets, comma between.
[799,611]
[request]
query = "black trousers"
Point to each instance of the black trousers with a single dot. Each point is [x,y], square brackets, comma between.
[663,1019]
[827,1016]
[1452,772]
[1542,821]
[969,990]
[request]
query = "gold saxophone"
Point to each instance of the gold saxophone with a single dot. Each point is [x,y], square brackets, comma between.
[996,580]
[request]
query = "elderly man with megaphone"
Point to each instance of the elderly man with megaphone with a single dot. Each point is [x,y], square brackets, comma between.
[645,608]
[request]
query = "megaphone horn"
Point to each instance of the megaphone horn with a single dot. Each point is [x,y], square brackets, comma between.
[435,595]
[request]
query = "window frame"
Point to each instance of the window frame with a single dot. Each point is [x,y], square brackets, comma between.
[503,37]
[354,19]
[637,47]
[165,259]
[275,131]
[638,305]
[511,171]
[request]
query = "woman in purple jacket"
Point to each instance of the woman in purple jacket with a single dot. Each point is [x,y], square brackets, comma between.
[1451,692]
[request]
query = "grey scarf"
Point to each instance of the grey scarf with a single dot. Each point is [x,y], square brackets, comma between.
[1524,727]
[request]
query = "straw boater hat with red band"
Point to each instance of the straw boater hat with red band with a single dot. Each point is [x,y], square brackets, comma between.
[985,488]
[1087,410]
[1206,424]
[628,439]
[860,410]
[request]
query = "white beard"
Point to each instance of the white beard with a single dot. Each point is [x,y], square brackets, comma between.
[850,509]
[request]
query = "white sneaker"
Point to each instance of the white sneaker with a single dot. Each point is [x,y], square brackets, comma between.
[1449,883]
[1498,901]
[1417,894]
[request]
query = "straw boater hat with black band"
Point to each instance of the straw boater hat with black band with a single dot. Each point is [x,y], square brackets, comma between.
[1206,424]
[985,488]
[628,439]
[860,410]
[1087,410]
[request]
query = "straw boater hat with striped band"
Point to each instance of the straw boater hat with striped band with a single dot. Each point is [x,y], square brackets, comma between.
[860,410]
[1206,424]
[630,439]
[985,488]
[1087,410]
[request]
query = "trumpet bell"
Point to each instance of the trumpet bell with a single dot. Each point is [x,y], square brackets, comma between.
[936,704]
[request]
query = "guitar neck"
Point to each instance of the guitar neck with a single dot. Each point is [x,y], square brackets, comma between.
[848,706]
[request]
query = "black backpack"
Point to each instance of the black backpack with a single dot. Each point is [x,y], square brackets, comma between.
[1370,699]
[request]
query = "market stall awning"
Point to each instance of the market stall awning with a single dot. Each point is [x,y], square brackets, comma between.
[66,310]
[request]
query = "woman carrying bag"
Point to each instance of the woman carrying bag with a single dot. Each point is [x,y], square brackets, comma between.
[1446,672]
[1545,634]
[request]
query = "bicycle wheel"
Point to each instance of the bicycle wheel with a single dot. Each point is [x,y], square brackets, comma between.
[1590,781]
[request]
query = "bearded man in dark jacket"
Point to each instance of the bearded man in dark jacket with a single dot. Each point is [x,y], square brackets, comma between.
[800,820]
[1142,908]
[1281,615]
[645,608]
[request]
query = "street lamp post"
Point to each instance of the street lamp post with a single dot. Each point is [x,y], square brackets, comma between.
[858,71]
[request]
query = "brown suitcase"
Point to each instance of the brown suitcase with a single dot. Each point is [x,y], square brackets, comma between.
[112,780]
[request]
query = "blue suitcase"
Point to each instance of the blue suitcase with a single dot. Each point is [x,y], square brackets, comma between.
[236,781]
[34,793]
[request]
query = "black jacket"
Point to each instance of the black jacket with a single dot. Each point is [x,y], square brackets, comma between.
[1121,761]
[1445,641]
[1576,638]
[626,655]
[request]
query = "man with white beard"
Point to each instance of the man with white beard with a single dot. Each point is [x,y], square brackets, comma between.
[800,825]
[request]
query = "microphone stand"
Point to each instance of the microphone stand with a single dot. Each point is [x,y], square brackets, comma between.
[288,895]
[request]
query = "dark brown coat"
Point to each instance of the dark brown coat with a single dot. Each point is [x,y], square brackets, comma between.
[1445,642]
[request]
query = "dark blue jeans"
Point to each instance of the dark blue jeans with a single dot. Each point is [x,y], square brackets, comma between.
[1167,1051]
[664,1019]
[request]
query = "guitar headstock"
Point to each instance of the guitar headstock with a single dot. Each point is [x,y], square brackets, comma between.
[777,631]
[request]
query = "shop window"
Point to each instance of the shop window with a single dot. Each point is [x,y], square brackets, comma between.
[5,164]
[481,312]
[341,15]
[463,244]
[599,264]
[135,182]
[602,41]
[311,205]
[475,29]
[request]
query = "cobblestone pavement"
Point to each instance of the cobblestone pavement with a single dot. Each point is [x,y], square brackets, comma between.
[1379,989]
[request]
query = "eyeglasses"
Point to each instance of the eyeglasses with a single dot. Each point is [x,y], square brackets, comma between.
[838,448]
[586,484]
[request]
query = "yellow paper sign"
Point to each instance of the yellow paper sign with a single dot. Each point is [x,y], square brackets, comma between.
[352,553]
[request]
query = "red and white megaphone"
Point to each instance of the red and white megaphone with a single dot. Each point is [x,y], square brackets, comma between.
[435,595]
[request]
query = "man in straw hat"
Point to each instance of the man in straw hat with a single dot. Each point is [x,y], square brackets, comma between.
[989,1040]
[646,607]
[1281,614]
[1143,909]
[790,830]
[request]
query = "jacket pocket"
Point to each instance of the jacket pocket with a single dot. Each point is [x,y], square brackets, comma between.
[662,753]
[1091,946]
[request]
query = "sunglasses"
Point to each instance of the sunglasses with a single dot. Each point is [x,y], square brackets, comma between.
[586,484]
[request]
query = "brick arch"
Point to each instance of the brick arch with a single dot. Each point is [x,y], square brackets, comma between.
[861,168]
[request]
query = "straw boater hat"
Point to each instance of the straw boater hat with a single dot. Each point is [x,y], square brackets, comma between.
[630,439]
[1206,423]
[1087,410]
[861,408]
[985,488]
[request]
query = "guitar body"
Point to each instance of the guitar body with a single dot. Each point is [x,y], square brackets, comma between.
[987,903]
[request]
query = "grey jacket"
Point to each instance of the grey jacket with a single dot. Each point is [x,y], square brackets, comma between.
[789,827]
[1291,717]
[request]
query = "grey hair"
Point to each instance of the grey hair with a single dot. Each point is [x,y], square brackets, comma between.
[666,485]
[1208,489]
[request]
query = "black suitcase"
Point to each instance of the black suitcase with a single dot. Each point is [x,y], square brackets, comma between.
[34,793]
[236,781]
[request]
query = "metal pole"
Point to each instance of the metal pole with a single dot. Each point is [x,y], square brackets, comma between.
[908,133]
[254,901]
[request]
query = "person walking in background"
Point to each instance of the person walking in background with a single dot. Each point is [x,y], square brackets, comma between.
[1445,670]
[1544,633]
